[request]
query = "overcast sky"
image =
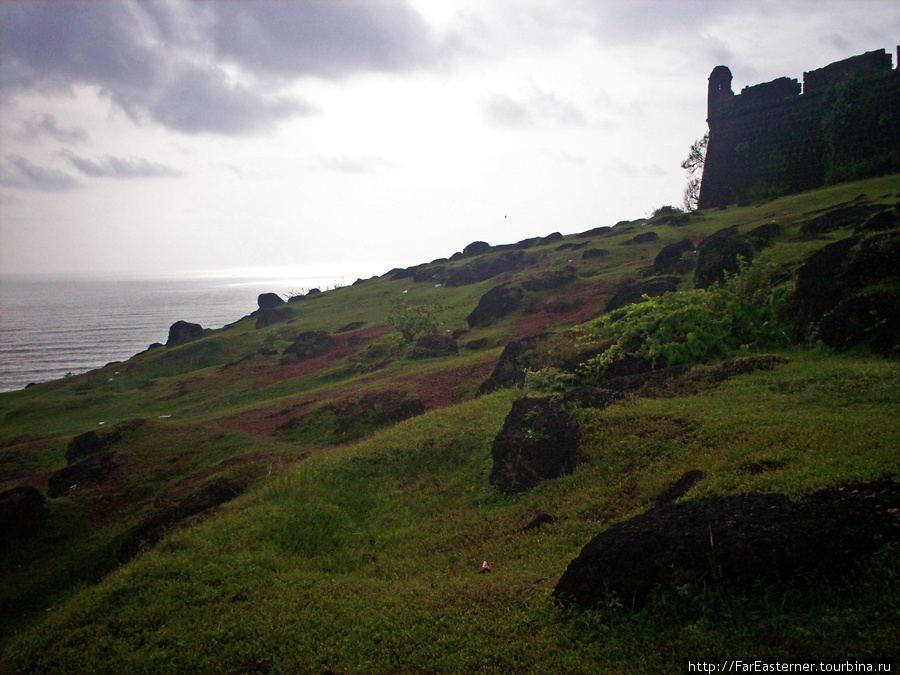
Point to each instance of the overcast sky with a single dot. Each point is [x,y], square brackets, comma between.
[158,137]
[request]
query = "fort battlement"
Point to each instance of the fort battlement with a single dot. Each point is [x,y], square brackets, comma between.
[782,137]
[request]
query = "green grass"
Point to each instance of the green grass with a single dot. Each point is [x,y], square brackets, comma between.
[364,557]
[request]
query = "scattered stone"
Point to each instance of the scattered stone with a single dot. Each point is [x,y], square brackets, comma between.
[182,331]
[23,510]
[594,232]
[498,302]
[540,440]
[669,259]
[268,316]
[269,301]
[872,317]
[720,253]
[434,346]
[889,219]
[763,235]
[92,442]
[734,540]
[594,253]
[642,238]
[550,239]
[632,292]
[486,267]
[476,248]
[844,216]
[572,247]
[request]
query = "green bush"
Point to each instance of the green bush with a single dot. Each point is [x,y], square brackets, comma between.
[698,325]
[410,321]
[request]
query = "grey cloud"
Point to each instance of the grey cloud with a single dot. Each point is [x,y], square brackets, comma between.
[322,37]
[118,167]
[38,126]
[539,107]
[355,164]
[166,62]
[18,172]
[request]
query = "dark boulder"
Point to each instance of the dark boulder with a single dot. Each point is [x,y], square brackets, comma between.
[844,216]
[429,273]
[23,510]
[182,331]
[495,304]
[92,442]
[763,235]
[669,259]
[476,248]
[631,292]
[594,253]
[307,345]
[889,219]
[719,253]
[572,247]
[486,267]
[269,301]
[734,540]
[268,316]
[540,439]
[870,317]
[88,473]
[510,369]
[642,238]
[538,521]
[550,239]
[594,232]
[434,346]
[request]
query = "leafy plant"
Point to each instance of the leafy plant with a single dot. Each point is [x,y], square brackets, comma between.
[410,320]
[697,325]
[549,380]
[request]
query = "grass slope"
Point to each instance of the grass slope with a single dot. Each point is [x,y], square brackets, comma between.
[364,557]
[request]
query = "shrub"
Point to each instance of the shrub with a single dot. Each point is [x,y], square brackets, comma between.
[410,321]
[697,325]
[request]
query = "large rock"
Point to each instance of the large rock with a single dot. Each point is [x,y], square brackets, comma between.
[182,331]
[23,510]
[486,267]
[734,540]
[540,439]
[495,304]
[869,317]
[476,248]
[551,280]
[669,259]
[642,238]
[594,253]
[269,301]
[270,315]
[842,216]
[92,442]
[719,253]
[631,292]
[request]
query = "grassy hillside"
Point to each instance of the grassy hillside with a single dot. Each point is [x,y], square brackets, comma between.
[250,511]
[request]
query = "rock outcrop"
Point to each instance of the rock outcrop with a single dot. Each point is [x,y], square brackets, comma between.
[23,510]
[495,304]
[734,540]
[182,331]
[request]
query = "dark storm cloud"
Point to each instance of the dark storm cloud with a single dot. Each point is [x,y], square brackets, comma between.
[122,168]
[169,62]
[18,172]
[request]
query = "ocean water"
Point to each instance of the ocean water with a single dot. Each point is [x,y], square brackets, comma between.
[54,325]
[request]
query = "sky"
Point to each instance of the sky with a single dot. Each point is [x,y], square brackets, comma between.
[208,136]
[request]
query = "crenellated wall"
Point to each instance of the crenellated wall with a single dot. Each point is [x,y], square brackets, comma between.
[779,138]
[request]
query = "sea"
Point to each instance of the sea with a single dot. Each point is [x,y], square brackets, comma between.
[55,325]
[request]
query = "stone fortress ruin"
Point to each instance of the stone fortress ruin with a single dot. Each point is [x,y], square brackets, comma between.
[779,137]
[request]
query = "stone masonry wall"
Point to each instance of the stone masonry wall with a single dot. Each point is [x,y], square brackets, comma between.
[772,139]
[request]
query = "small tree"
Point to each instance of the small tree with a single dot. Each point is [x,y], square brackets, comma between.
[693,165]
[412,320]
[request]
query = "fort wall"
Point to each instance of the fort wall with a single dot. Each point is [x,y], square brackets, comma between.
[780,137]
